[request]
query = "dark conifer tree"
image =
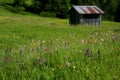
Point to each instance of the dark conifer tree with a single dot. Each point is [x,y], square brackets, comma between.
[117,14]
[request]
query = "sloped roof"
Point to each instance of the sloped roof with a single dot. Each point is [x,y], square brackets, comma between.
[88,10]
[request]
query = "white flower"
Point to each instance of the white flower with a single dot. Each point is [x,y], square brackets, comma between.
[82,41]
[106,34]
[44,41]
[96,33]
[100,43]
[102,39]
[67,64]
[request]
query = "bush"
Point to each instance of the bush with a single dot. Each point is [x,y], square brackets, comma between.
[16,9]
[47,14]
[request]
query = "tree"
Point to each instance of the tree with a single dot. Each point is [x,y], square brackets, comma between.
[117,14]
[76,2]
[18,2]
[63,9]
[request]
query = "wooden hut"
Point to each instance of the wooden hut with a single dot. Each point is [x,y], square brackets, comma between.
[85,15]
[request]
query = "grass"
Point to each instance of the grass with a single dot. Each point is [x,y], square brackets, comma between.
[39,48]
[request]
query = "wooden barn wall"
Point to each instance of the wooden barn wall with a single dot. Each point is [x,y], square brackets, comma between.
[74,17]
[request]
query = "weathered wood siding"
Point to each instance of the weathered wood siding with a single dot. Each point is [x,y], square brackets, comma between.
[83,19]
[92,19]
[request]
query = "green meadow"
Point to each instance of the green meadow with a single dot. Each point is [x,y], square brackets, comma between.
[42,48]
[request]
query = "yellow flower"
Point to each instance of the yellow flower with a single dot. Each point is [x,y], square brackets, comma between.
[53,69]
[74,67]
[80,51]
[95,40]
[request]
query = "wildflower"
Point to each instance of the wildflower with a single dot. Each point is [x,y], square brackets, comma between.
[116,77]
[53,69]
[102,39]
[96,33]
[66,43]
[90,41]
[113,38]
[56,39]
[44,41]
[7,59]
[67,64]
[76,50]
[47,51]
[89,53]
[87,70]
[70,34]
[32,41]
[41,61]
[83,41]
[34,44]
[106,35]
[65,56]
[100,43]
[102,34]
[80,51]
[74,67]
[31,50]
[38,42]
[37,49]
[21,50]
[95,40]
[37,56]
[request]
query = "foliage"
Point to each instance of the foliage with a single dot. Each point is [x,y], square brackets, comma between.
[117,16]
[18,2]
[61,7]
[37,6]
[16,9]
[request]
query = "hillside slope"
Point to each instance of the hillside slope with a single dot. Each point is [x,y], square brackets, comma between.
[41,48]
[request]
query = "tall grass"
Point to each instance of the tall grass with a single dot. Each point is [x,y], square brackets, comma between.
[38,48]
